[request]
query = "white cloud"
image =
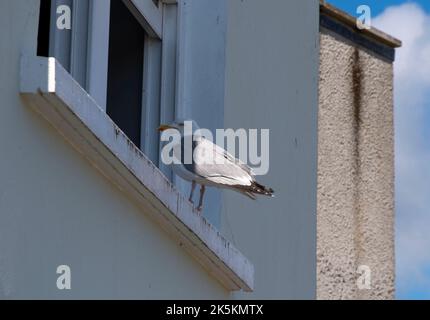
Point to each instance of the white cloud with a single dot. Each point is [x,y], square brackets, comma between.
[411,24]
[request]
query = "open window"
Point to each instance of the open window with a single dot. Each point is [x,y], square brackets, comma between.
[125,71]
[114,50]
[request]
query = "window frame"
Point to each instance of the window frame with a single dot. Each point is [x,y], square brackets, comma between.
[149,15]
[98,45]
[87,60]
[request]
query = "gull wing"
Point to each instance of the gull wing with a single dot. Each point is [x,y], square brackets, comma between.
[213,163]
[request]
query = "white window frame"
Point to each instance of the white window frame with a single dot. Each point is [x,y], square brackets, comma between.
[87,61]
[98,39]
[149,15]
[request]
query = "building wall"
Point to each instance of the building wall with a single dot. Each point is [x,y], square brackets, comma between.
[56,208]
[355,220]
[272,82]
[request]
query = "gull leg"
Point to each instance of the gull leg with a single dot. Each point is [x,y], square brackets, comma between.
[193,186]
[202,193]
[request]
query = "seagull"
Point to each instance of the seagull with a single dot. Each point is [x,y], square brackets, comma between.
[211,166]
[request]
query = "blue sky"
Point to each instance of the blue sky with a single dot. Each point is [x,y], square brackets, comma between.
[377,6]
[409,21]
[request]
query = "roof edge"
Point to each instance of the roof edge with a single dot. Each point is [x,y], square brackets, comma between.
[351,21]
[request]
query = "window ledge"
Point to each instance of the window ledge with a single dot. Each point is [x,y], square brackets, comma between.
[49,89]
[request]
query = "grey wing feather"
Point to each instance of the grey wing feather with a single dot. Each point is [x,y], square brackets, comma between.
[214,165]
[217,165]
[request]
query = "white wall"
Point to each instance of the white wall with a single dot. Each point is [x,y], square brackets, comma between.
[55,208]
[271,82]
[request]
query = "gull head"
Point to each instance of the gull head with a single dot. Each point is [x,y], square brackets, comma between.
[185,127]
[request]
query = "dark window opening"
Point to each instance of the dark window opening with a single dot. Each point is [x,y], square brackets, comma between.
[44,27]
[125,71]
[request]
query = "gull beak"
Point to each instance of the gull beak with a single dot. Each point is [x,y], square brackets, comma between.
[164,127]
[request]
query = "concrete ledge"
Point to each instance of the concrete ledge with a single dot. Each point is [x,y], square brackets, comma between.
[52,92]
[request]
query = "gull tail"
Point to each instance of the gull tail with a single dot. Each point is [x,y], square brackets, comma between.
[254,189]
[258,188]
